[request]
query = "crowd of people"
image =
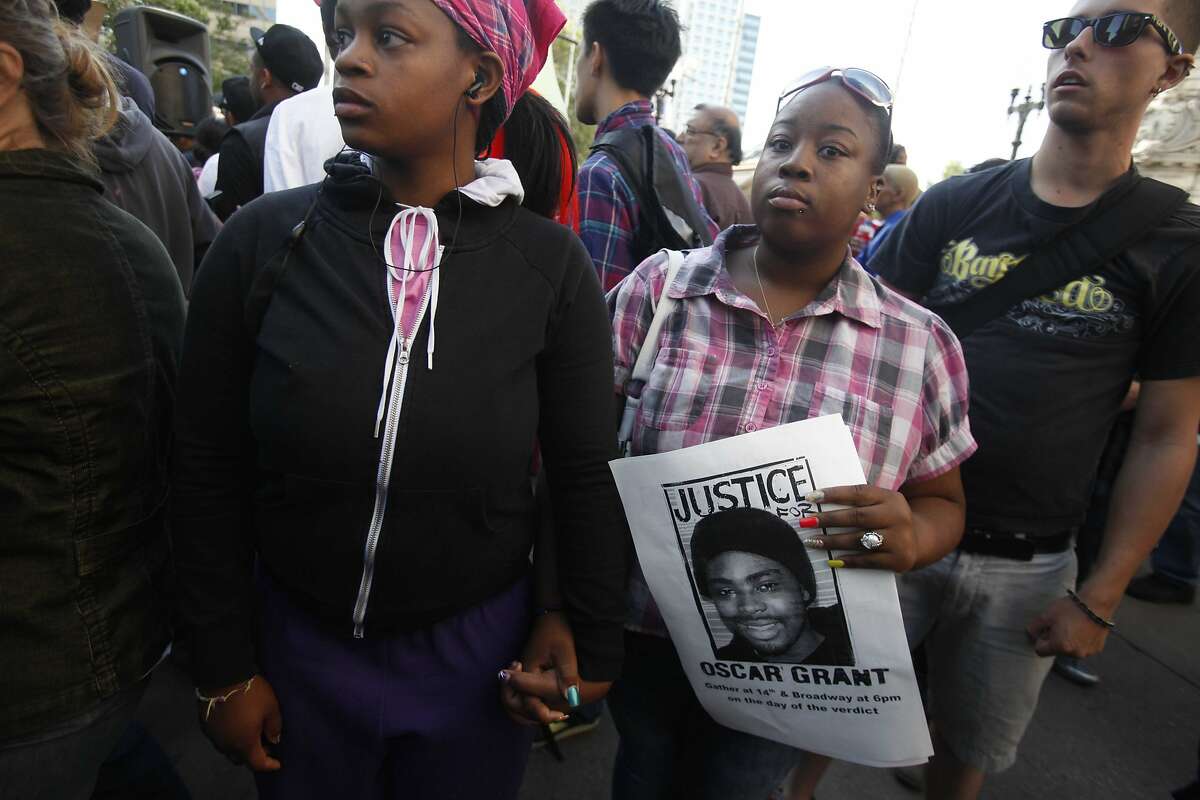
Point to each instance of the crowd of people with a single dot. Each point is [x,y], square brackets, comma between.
[323,410]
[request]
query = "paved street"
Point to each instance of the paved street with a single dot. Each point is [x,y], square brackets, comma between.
[1132,737]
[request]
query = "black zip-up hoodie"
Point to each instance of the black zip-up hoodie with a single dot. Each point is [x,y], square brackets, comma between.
[275,446]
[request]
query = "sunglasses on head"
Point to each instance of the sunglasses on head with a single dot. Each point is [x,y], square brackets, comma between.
[865,84]
[1120,29]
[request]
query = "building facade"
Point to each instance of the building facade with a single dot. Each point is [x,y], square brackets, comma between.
[1168,144]
[720,43]
[743,65]
[247,14]
[712,44]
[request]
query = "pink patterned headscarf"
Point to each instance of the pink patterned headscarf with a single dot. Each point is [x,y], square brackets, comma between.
[519,31]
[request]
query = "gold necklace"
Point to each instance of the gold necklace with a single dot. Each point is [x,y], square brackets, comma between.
[757,277]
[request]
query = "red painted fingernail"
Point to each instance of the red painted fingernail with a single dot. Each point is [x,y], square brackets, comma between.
[810,522]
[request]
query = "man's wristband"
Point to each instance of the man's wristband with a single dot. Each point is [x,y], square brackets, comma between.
[1092,615]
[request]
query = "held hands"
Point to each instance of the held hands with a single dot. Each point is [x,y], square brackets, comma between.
[870,509]
[546,683]
[243,726]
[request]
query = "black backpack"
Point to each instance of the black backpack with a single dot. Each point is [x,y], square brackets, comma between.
[668,215]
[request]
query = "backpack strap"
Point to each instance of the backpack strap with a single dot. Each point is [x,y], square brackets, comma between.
[668,215]
[648,353]
[627,149]
[1119,220]
[683,213]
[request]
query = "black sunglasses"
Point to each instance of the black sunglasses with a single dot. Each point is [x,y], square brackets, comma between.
[1120,29]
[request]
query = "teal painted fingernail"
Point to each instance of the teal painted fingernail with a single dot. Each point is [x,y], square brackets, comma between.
[573,696]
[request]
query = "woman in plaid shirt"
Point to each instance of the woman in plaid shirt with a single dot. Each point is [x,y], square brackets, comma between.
[777,323]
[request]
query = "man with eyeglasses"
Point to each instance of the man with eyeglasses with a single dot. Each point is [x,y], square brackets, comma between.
[1048,374]
[713,143]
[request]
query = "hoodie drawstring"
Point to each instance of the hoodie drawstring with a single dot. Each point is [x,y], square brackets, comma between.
[495,180]
[433,304]
[402,233]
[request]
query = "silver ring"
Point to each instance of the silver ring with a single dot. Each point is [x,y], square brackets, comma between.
[871,540]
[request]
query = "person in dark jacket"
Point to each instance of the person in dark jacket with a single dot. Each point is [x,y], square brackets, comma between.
[368,365]
[92,321]
[145,175]
[284,64]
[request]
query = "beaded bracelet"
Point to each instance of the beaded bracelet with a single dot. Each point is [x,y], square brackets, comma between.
[1092,615]
[221,698]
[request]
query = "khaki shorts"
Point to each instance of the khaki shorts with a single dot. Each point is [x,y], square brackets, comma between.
[971,610]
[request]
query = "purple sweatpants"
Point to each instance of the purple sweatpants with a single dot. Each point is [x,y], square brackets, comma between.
[414,716]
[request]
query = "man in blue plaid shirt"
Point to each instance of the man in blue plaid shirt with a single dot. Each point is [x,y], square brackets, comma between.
[630,47]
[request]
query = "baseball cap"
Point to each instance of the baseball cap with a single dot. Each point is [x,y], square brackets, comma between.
[290,55]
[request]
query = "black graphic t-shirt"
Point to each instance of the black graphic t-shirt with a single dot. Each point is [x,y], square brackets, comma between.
[1047,378]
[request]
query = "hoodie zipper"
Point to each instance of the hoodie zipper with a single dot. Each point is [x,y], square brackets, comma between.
[384,475]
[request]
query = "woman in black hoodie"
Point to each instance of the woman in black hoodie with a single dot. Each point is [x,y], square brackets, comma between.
[391,517]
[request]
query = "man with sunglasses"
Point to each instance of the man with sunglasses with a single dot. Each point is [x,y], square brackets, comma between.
[1048,374]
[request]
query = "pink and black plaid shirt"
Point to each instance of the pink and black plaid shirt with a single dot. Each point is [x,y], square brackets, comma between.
[892,369]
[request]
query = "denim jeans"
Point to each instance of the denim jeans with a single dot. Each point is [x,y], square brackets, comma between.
[62,763]
[671,748]
[1178,553]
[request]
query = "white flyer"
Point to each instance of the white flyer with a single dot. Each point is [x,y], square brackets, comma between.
[775,642]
